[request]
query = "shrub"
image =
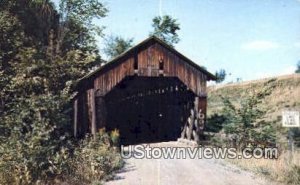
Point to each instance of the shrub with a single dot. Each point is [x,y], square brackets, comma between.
[215,123]
[95,160]
[31,142]
[244,122]
[37,157]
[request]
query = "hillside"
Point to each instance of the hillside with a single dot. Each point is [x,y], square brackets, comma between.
[285,96]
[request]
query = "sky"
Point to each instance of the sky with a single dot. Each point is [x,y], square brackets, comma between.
[250,39]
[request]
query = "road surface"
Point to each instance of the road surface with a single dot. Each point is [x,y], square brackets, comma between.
[183,172]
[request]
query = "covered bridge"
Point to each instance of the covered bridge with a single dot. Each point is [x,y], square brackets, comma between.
[149,93]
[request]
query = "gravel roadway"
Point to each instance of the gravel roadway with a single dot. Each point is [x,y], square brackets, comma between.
[183,172]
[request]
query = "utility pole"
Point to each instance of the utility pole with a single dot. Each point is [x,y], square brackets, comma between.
[160,8]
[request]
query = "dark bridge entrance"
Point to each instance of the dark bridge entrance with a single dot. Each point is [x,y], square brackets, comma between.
[148,109]
[150,93]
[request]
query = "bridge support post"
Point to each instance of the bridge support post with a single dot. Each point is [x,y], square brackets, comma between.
[194,127]
[196,131]
[93,110]
[202,114]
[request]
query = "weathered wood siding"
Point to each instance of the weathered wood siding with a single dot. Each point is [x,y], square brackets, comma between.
[106,81]
[145,59]
[148,65]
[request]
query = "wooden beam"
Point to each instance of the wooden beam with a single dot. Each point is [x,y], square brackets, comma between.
[202,115]
[197,129]
[93,109]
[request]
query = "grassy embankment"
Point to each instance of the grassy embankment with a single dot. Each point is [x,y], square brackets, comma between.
[285,96]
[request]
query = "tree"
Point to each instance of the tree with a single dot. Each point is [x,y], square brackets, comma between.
[244,121]
[42,51]
[298,67]
[220,75]
[11,39]
[77,30]
[115,45]
[165,28]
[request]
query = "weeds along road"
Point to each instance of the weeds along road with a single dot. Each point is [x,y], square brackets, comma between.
[183,171]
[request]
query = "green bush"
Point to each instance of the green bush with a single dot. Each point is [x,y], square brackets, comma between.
[94,160]
[244,122]
[38,71]
[31,141]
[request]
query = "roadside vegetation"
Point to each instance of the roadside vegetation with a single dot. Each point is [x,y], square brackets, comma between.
[44,49]
[88,161]
[249,115]
[285,169]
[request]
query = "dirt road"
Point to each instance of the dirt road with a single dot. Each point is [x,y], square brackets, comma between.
[183,171]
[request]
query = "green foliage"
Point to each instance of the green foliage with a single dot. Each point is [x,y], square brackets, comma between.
[39,158]
[244,121]
[31,139]
[43,51]
[77,30]
[95,159]
[220,75]
[11,38]
[37,18]
[166,28]
[115,45]
[215,123]
[83,11]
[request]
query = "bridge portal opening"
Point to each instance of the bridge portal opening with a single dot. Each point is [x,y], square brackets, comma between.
[148,109]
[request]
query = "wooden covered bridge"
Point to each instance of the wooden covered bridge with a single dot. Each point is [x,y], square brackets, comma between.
[149,93]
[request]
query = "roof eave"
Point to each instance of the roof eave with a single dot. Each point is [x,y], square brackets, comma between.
[115,59]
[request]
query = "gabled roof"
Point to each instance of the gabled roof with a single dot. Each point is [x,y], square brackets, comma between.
[117,60]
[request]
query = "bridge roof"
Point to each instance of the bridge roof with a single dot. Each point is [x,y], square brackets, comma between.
[118,59]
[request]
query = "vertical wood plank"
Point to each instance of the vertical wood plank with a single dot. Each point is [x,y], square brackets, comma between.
[93,106]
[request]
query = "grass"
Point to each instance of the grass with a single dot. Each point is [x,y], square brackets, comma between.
[285,95]
[285,169]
